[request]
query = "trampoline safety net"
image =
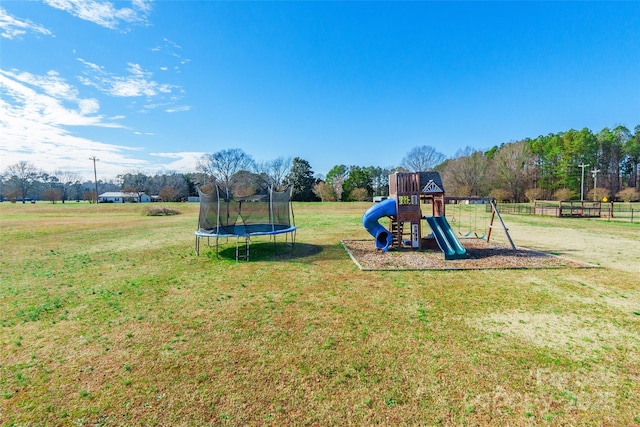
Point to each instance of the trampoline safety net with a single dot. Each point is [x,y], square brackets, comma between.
[264,214]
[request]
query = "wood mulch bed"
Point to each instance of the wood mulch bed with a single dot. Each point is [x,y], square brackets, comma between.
[481,255]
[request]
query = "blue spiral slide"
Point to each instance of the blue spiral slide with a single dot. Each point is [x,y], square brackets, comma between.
[370,222]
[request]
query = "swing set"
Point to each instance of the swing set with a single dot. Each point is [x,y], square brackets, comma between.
[473,217]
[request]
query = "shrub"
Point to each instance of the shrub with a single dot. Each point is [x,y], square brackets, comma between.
[628,195]
[52,194]
[153,211]
[501,194]
[534,194]
[598,193]
[324,192]
[359,194]
[564,194]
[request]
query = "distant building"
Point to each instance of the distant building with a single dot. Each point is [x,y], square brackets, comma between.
[120,197]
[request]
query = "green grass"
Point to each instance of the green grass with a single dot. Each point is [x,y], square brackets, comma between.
[108,317]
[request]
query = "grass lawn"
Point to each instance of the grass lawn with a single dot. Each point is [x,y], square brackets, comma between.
[109,318]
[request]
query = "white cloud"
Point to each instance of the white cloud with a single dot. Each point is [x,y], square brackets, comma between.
[174,52]
[52,84]
[14,28]
[138,83]
[105,13]
[36,114]
[47,100]
[185,161]
[88,106]
[172,43]
[90,65]
[178,109]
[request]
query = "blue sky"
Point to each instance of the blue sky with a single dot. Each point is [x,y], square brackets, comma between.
[149,86]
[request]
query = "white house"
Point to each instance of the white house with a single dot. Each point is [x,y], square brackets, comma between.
[120,197]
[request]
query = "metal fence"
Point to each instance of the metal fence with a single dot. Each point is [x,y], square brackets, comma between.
[516,208]
[624,212]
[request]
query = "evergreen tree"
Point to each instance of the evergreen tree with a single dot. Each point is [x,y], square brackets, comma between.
[301,177]
[359,177]
[632,151]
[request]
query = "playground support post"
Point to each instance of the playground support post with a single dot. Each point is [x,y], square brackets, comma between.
[494,208]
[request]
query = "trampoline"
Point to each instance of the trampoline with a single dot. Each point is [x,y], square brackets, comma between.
[223,216]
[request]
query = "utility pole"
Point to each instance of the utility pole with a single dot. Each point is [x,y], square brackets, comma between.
[594,173]
[582,181]
[95,175]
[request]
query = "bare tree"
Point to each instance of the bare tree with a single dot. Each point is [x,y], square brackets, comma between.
[466,173]
[513,166]
[168,193]
[52,194]
[67,180]
[173,180]
[338,186]
[90,196]
[421,159]
[22,175]
[336,178]
[222,165]
[275,170]
[137,182]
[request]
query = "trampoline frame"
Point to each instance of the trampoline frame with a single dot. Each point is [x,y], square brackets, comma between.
[243,241]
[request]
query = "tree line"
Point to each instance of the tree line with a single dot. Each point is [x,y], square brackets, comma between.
[23,182]
[563,166]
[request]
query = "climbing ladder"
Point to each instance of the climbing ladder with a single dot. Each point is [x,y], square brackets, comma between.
[242,248]
[396,231]
[399,233]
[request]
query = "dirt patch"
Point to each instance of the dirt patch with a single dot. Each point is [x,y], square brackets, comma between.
[576,336]
[481,255]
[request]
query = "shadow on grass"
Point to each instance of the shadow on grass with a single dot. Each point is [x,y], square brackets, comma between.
[476,253]
[268,252]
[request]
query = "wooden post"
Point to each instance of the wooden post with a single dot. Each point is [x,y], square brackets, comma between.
[493,215]
[506,230]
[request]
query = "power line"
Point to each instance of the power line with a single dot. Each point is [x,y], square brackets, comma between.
[594,173]
[95,175]
[582,181]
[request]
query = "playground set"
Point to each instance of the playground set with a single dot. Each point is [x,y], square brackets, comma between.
[407,192]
